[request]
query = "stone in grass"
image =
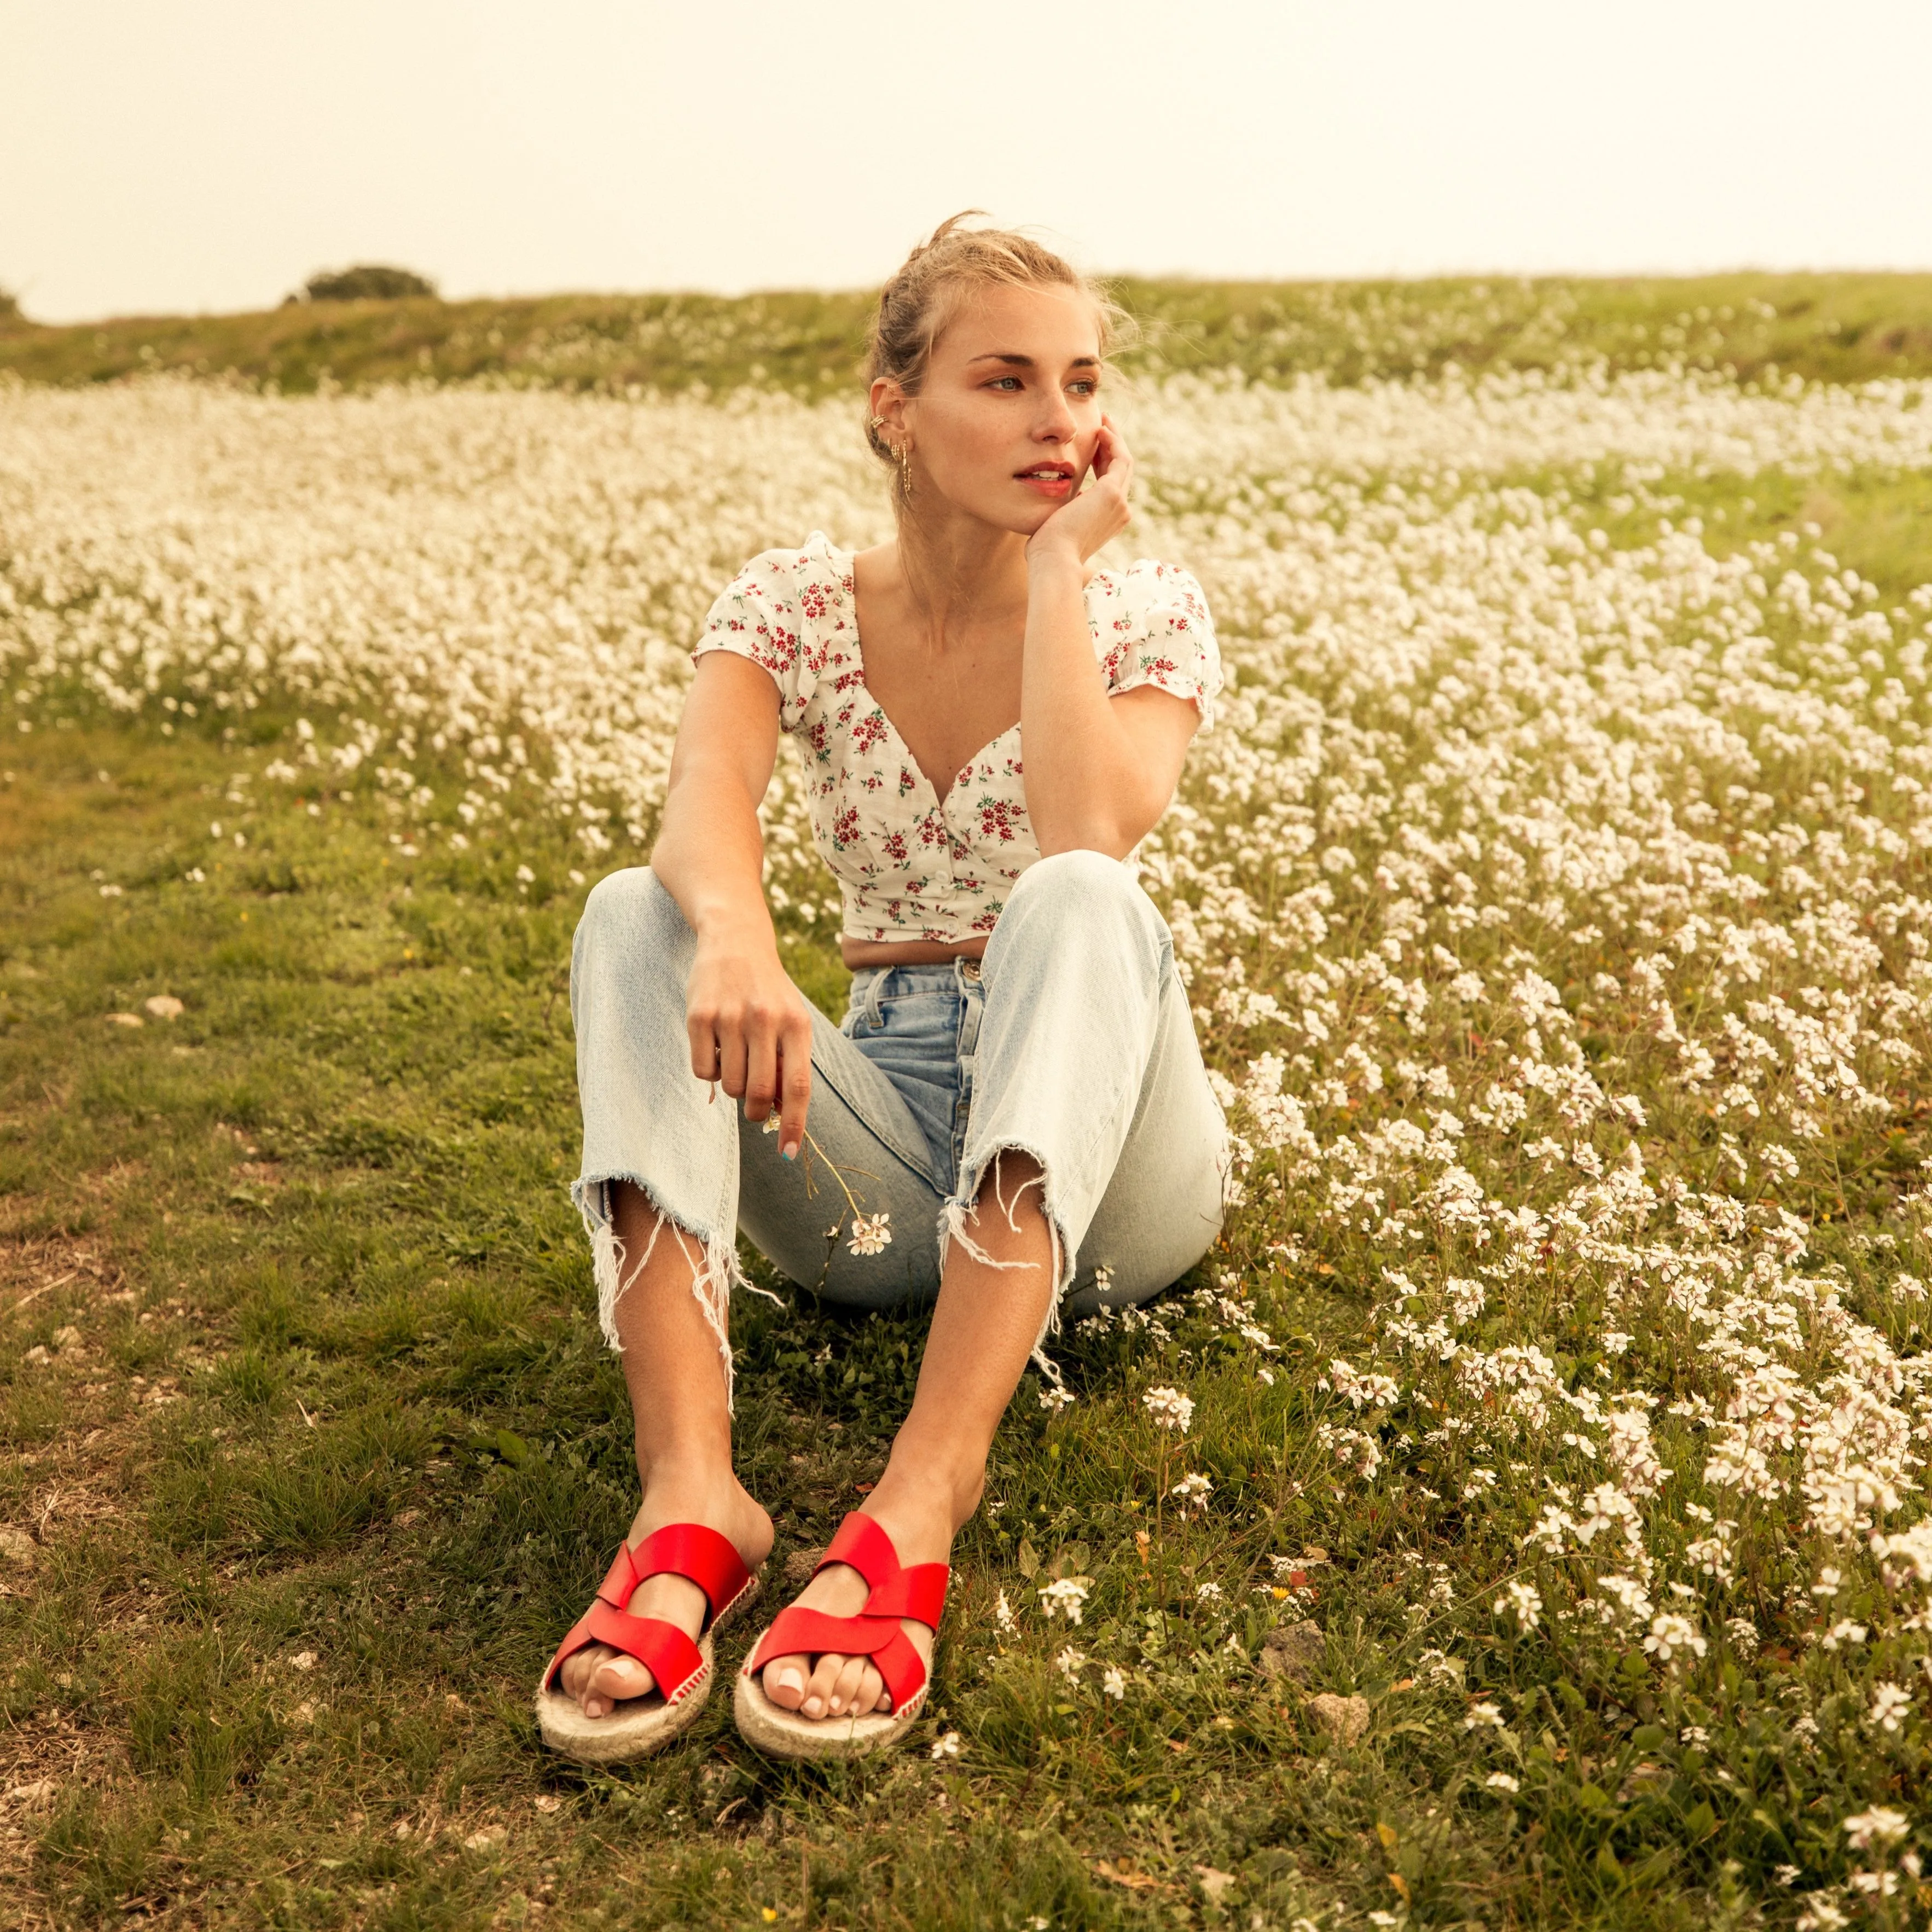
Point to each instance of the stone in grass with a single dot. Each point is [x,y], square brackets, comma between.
[798,1566]
[1344,1719]
[165,1006]
[1292,1651]
[17,1546]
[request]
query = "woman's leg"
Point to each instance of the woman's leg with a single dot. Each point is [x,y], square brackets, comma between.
[990,1309]
[1090,1090]
[654,1139]
[683,1431]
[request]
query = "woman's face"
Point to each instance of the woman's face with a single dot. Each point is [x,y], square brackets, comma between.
[1005,426]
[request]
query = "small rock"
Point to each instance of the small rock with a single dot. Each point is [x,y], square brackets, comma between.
[36,1355]
[34,1795]
[125,1019]
[1344,1719]
[548,1801]
[483,1840]
[65,1338]
[304,1713]
[1313,1552]
[165,1006]
[17,1546]
[799,1567]
[303,1660]
[1293,1650]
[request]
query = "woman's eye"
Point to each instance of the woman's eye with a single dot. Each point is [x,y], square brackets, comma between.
[1086,386]
[1005,382]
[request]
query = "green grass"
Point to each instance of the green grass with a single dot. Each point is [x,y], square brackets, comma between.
[320,1375]
[1837,328]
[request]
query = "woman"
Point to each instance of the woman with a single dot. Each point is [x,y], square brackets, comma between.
[1015,1097]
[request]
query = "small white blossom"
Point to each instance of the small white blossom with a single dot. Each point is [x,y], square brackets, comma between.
[1067,1596]
[1192,1492]
[1672,1635]
[1881,1825]
[1525,1601]
[1170,1408]
[872,1233]
[1890,1705]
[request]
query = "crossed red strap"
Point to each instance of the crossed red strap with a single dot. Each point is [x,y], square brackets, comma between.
[897,1591]
[680,1549]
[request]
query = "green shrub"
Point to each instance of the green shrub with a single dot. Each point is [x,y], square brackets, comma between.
[369,282]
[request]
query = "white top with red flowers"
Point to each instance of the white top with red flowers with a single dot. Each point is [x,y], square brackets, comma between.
[909,864]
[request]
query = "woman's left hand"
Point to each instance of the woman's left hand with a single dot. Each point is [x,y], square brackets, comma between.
[1099,513]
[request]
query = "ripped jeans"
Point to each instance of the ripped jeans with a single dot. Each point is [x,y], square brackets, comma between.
[1072,1042]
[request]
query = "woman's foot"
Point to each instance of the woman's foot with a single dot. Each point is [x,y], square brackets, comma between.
[600,1678]
[921,1522]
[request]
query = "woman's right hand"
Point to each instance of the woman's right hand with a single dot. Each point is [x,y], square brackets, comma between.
[751,1030]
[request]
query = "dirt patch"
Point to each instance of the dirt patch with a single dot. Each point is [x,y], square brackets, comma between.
[35,1266]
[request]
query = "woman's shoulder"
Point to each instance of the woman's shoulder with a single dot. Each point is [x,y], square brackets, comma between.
[1148,587]
[804,576]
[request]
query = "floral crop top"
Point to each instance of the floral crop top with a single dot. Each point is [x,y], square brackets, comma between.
[910,865]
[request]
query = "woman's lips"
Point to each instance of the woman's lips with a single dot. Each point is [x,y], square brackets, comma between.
[1048,481]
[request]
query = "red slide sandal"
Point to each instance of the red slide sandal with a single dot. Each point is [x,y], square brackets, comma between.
[639,1726]
[897,1591]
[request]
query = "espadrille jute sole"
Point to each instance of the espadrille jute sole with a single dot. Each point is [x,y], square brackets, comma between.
[627,1735]
[779,1733]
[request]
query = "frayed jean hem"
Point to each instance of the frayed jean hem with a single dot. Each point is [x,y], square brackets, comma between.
[715,1270]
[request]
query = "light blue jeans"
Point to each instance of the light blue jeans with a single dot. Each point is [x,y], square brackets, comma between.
[1071,1042]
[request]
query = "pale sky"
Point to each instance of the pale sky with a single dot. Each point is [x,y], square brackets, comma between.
[210,154]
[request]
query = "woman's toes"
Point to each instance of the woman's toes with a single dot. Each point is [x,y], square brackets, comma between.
[844,1693]
[622,1677]
[784,1679]
[818,1688]
[871,1694]
[581,1666]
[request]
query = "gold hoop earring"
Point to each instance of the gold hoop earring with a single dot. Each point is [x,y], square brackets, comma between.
[905,469]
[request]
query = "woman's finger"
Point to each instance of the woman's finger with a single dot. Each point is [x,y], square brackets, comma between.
[761,1073]
[733,1060]
[703,1040]
[795,1087]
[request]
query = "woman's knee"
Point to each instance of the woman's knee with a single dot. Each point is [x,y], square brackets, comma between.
[628,908]
[1086,890]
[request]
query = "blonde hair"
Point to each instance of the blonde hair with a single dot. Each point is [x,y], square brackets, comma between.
[916,304]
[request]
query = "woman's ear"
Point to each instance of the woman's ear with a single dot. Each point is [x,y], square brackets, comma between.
[889,402]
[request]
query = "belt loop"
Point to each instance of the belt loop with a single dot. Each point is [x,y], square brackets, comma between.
[874,1016]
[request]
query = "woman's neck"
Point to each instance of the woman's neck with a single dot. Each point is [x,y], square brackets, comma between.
[954,569]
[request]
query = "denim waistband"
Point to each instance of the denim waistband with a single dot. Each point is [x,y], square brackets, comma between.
[871,984]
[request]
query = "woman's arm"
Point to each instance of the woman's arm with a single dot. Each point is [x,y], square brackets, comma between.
[1100,770]
[749,1026]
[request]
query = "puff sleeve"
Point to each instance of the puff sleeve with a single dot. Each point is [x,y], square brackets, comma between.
[1159,632]
[757,615]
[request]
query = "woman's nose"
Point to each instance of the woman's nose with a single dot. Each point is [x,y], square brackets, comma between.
[1057,424]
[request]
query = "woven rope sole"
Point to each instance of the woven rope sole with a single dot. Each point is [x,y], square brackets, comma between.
[779,1733]
[628,1734]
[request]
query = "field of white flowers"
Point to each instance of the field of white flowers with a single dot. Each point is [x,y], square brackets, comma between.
[1551,893]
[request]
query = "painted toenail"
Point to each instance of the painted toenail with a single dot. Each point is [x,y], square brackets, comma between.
[789,1680]
[812,1707]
